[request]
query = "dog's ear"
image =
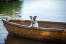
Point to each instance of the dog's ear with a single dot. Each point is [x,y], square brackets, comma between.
[31,17]
[34,18]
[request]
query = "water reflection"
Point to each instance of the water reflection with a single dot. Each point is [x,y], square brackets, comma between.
[11,9]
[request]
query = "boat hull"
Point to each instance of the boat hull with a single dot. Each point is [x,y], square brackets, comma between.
[36,33]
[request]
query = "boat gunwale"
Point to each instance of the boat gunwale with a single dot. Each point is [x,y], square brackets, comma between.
[41,21]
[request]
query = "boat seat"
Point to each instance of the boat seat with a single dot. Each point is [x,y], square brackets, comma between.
[53,29]
[19,25]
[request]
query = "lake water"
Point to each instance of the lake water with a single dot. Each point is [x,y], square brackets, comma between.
[45,10]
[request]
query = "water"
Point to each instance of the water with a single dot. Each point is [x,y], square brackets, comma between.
[45,10]
[3,33]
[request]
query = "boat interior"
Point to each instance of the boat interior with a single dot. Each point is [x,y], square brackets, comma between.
[45,24]
[55,26]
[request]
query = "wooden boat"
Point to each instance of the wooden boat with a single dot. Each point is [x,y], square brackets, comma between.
[46,30]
